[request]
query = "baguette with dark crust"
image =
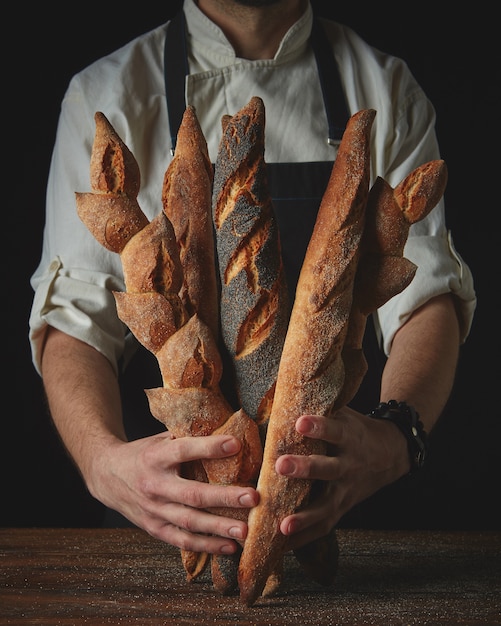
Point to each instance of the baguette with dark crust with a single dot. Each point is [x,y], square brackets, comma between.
[254,306]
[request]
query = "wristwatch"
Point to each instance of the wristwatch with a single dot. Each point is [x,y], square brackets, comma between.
[407,420]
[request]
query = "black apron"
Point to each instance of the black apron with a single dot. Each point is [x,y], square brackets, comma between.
[296,189]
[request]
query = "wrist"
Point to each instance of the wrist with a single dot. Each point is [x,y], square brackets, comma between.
[406,419]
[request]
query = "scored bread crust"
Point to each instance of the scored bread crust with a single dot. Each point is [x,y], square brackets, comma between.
[383,271]
[186,200]
[254,305]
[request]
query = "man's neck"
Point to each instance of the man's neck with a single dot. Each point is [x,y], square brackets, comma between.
[254,32]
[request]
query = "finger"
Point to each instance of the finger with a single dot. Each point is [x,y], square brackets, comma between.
[201,495]
[313,466]
[315,520]
[198,521]
[187,540]
[302,538]
[318,427]
[211,447]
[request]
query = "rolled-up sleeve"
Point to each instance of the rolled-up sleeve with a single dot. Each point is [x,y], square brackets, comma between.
[77,302]
[440,269]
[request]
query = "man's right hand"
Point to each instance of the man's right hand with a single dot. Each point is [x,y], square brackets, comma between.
[140,479]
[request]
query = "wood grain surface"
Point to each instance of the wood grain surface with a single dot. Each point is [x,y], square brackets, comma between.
[123,576]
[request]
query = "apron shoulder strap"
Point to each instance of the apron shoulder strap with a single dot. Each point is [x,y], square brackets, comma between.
[336,107]
[175,72]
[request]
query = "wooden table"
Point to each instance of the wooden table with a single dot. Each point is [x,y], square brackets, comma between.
[123,576]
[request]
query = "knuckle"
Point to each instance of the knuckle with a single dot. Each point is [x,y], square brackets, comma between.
[193,496]
[147,488]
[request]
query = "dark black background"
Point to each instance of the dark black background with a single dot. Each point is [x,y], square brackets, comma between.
[453,58]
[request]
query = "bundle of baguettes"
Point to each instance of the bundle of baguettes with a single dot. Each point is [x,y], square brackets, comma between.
[353,265]
[170,303]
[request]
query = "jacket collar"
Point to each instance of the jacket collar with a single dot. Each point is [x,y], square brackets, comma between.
[210,44]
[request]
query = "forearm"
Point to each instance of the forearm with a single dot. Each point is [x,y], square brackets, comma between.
[84,399]
[422,364]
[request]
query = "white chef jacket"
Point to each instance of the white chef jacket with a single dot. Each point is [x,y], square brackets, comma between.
[74,280]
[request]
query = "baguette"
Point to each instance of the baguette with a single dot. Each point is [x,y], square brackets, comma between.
[311,372]
[383,271]
[254,305]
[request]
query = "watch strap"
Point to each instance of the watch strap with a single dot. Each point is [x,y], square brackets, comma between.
[406,418]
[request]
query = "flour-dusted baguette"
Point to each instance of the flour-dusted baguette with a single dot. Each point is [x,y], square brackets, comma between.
[382,272]
[186,199]
[254,306]
[311,372]
[150,306]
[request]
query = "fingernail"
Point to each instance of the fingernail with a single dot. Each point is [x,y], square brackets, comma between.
[236,532]
[231,445]
[228,548]
[246,500]
[307,426]
[287,467]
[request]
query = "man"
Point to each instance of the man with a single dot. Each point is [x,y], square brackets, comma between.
[236,49]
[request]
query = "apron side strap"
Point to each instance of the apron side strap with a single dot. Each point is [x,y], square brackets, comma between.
[175,71]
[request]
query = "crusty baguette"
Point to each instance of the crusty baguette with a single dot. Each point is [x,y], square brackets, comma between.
[186,199]
[254,306]
[311,374]
[151,306]
[382,272]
